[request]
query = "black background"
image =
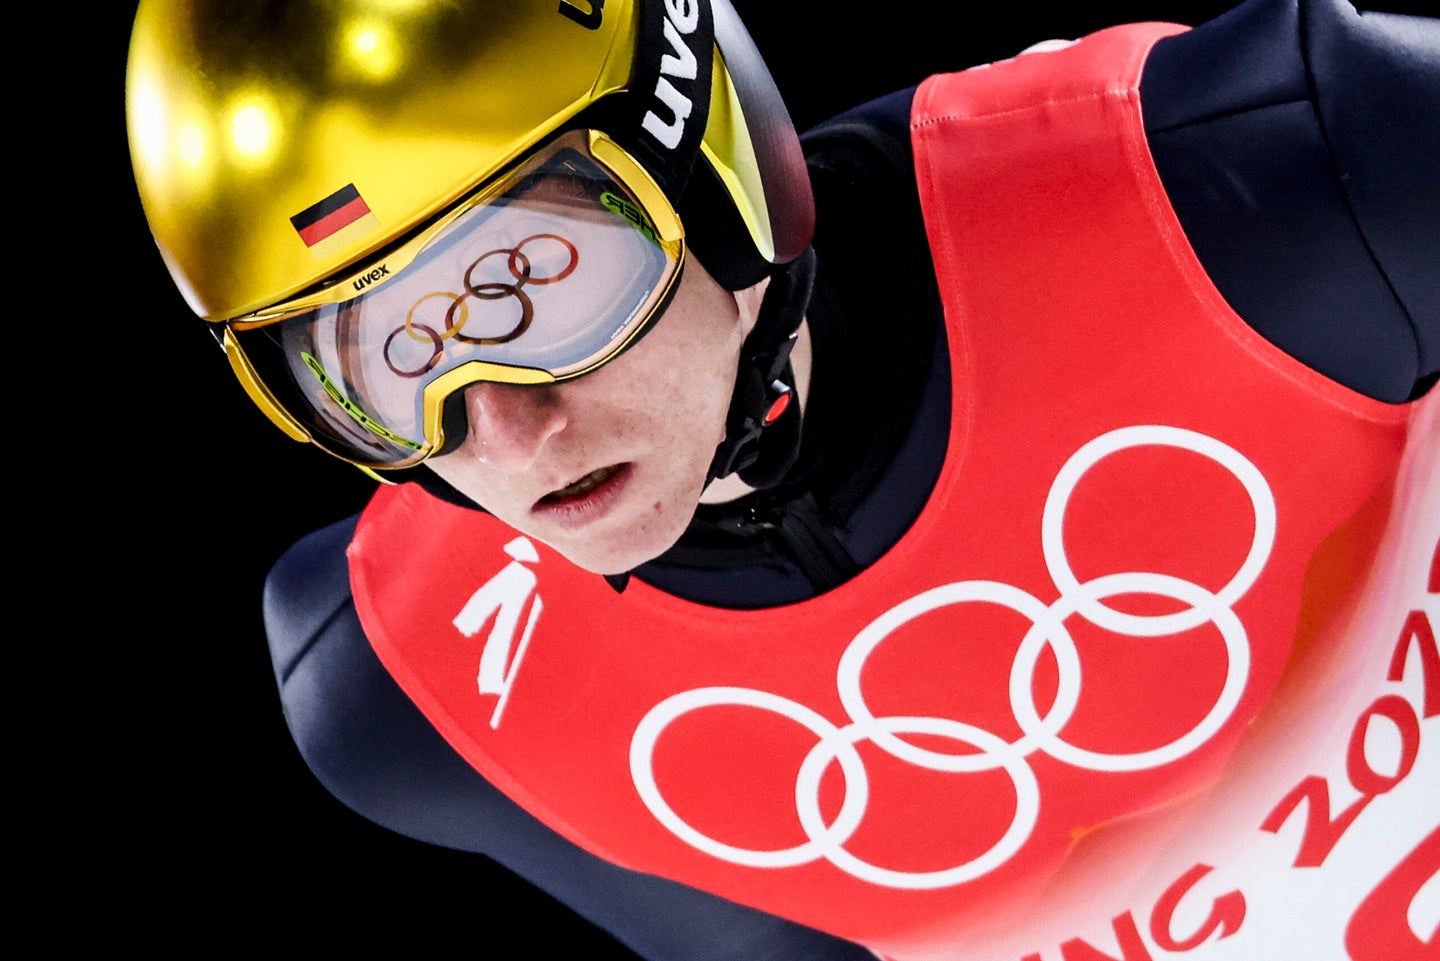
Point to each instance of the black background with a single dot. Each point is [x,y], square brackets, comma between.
[177,495]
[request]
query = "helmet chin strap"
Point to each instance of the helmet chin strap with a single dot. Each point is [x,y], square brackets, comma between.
[762,428]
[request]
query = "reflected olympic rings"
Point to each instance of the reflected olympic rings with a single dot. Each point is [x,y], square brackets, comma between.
[988,751]
[457,312]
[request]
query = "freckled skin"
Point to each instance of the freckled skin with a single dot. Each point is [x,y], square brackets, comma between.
[658,409]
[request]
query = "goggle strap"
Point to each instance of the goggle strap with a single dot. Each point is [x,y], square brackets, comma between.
[664,121]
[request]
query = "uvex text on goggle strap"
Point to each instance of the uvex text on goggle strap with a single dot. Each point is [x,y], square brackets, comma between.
[543,275]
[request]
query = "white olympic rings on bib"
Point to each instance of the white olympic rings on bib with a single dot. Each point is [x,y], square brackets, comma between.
[836,744]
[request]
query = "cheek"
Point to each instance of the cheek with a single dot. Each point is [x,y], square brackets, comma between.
[705,346]
[679,378]
[699,397]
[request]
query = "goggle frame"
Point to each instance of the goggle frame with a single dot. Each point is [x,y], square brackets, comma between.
[655,207]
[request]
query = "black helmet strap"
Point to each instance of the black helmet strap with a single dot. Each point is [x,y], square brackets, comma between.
[762,429]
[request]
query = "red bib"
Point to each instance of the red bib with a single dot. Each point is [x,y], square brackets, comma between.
[1101,697]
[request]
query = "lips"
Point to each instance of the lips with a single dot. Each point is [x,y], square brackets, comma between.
[582,486]
[586,500]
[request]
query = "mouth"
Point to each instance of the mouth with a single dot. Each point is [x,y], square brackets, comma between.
[586,499]
[582,486]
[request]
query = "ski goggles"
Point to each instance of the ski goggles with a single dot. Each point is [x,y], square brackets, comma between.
[540,277]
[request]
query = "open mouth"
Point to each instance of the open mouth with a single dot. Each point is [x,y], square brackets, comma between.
[582,486]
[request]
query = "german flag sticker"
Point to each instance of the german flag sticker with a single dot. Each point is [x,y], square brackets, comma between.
[334,221]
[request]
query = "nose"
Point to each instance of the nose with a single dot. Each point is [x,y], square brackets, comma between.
[510,425]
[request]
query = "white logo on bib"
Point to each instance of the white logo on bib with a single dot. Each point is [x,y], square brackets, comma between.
[503,597]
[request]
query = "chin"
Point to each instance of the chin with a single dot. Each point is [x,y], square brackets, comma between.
[621,553]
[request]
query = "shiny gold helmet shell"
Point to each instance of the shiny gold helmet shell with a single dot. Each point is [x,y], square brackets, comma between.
[252,122]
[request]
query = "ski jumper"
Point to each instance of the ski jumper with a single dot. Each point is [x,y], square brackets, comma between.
[1119,630]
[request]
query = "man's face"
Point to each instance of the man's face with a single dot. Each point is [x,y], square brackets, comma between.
[608,468]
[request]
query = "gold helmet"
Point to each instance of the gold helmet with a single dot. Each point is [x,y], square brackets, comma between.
[289,155]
